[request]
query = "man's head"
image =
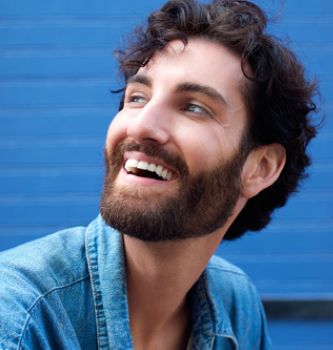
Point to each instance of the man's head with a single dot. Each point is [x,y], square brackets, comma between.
[241,96]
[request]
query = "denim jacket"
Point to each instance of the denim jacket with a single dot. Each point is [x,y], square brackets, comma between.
[68,291]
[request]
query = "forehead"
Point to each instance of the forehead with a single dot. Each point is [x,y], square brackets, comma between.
[200,62]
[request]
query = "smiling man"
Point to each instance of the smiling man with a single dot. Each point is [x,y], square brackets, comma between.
[210,138]
[183,96]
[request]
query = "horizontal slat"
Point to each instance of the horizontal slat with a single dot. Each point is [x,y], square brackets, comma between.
[326,89]
[284,241]
[307,208]
[95,34]
[324,119]
[299,8]
[321,148]
[76,9]
[52,123]
[45,182]
[107,33]
[301,335]
[89,8]
[320,178]
[49,211]
[85,63]
[316,60]
[78,153]
[56,94]
[306,32]
[288,277]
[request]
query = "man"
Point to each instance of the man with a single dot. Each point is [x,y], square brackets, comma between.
[210,138]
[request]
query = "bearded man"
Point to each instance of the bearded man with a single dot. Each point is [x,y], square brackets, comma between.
[210,138]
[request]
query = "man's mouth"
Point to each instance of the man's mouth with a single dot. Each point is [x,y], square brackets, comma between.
[151,170]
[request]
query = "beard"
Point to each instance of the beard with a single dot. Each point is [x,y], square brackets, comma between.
[202,204]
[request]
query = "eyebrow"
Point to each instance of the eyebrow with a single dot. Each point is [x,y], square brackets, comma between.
[203,89]
[189,87]
[139,79]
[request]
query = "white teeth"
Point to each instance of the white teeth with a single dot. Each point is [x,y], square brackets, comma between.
[164,174]
[132,170]
[159,170]
[151,167]
[142,165]
[132,163]
[133,166]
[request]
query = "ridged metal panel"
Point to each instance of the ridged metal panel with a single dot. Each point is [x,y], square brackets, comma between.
[56,72]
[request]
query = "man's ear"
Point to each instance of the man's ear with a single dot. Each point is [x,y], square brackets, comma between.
[262,168]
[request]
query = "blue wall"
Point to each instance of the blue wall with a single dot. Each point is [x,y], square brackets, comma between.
[56,71]
[292,258]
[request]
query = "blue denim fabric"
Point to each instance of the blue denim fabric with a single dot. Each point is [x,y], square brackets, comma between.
[68,291]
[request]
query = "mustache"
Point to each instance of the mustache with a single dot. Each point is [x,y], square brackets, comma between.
[174,160]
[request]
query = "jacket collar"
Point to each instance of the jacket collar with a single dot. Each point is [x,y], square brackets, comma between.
[106,263]
[109,286]
[210,318]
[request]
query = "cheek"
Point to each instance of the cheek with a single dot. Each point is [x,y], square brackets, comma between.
[202,145]
[117,131]
[206,144]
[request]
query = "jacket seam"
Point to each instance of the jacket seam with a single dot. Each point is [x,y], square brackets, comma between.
[38,299]
[207,306]
[23,330]
[57,288]
[211,317]
[227,270]
[91,272]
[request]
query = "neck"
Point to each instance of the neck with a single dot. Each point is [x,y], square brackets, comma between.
[159,276]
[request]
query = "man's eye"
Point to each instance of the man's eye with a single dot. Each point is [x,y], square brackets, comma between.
[136,99]
[196,109]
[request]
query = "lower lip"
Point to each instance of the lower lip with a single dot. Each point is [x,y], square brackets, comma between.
[142,181]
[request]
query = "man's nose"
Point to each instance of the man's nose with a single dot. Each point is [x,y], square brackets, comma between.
[150,125]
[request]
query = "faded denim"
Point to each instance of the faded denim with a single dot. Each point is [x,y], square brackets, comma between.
[68,291]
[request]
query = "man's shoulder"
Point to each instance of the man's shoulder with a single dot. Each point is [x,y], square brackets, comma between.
[33,272]
[58,257]
[224,278]
[220,265]
[234,304]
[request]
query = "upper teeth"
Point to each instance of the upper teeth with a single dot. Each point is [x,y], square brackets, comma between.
[132,165]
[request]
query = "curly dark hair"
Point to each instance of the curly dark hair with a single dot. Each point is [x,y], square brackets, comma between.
[279,99]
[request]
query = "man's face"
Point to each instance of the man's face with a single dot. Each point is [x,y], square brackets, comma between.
[183,115]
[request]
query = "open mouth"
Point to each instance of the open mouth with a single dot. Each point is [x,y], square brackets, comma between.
[150,170]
